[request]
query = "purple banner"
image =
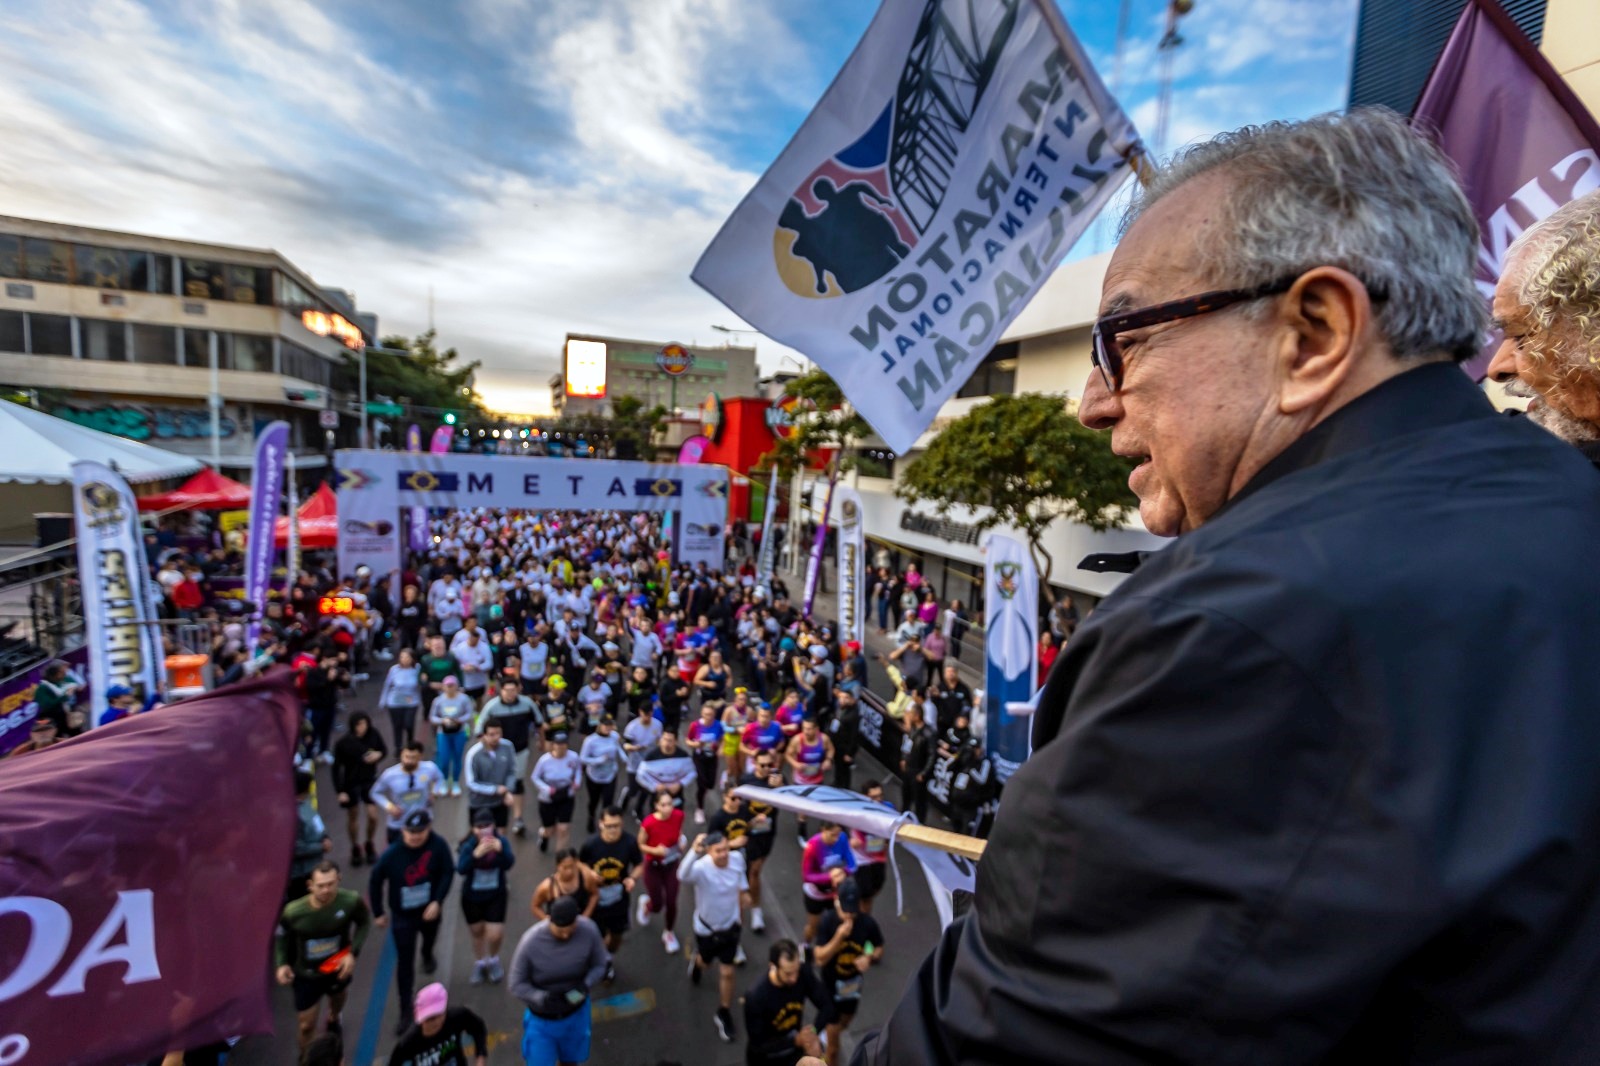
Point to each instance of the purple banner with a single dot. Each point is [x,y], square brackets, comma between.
[413,438]
[266,493]
[440,444]
[134,927]
[17,706]
[1522,141]
[814,566]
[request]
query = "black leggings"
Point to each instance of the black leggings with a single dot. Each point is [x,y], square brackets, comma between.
[600,797]
[405,944]
[403,721]
[705,767]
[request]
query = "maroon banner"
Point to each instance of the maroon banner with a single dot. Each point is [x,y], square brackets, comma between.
[142,868]
[1523,142]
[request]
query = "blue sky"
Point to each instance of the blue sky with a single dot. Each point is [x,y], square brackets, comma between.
[545,165]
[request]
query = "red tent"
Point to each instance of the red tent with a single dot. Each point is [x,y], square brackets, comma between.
[206,491]
[319,521]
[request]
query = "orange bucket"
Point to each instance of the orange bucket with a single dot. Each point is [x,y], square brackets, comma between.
[187,671]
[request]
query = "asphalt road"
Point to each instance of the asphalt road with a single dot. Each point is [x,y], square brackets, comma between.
[651,1014]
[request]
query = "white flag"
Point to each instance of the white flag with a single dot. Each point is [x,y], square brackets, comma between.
[961,151]
[124,646]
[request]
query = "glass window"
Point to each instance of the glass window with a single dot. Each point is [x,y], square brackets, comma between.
[10,256]
[104,341]
[102,268]
[197,347]
[155,344]
[50,334]
[249,351]
[203,280]
[307,366]
[11,335]
[47,260]
[996,375]
[245,285]
[149,273]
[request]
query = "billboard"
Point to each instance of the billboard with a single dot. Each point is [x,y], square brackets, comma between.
[585,370]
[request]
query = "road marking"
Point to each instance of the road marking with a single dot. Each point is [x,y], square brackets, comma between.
[372,1018]
[625,1005]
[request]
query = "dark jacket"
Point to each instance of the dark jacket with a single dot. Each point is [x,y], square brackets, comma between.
[845,728]
[919,759]
[1317,783]
[351,771]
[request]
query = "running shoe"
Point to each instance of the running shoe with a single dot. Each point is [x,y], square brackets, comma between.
[724,1020]
[519,827]
[477,973]
[694,973]
[670,942]
[372,854]
[356,856]
[496,972]
[641,913]
[455,790]
[739,958]
[326,758]
[440,790]
[699,817]
[758,924]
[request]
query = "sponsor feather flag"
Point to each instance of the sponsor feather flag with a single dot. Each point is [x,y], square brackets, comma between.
[961,151]
[1011,648]
[141,880]
[266,495]
[1523,142]
[851,566]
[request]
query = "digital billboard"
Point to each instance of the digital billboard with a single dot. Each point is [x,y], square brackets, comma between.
[585,373]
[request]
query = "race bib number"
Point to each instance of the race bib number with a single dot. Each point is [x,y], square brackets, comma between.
[319,948]
[850,989]
[673,855]
[905,746]
[415,897]
[485,880]
[610,895]
[763,827]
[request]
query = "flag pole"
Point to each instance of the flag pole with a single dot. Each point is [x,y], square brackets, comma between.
[955,843]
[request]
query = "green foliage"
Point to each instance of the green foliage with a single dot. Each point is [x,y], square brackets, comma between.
[426,377]
[829,423]
[633,429]
[1029,461]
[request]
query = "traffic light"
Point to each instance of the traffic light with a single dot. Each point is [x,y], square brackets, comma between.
[449,418]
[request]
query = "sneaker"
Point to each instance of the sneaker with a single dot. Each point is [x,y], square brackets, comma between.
[641,913]
[384,655]
[429,964]
[611,973]
[758,924]
[477,973]
[494,971]
[356,856]
[670,942]
[694,973]
[455,790]
[519,827]
[724,1020]
[739,958]
[440,790]
[544,844]
[699,817]
[326,758]
[372,854]
[801,837]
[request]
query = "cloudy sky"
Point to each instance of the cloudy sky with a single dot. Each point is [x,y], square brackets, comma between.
[545,166]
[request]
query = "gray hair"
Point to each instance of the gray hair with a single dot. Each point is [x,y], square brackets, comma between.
[1558,263]
[1360,191]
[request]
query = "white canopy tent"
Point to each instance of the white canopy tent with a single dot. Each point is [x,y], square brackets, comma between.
[36,448]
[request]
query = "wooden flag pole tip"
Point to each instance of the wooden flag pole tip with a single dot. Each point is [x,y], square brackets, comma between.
[944,840]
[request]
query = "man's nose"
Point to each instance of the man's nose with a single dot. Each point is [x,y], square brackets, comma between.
[1100,407]
[1503,367]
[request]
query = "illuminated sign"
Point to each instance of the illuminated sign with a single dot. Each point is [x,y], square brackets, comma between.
[337,326]
[586,369]
[336,605]
[780,416]
[711,417]
[674,359]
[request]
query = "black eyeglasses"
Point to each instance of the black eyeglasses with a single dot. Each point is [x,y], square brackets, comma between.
[1106,354]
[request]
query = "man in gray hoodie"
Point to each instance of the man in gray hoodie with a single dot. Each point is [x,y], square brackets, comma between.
[491,774]
[555,965]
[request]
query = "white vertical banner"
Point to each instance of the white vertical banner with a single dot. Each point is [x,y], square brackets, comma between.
[952,163]
[852,551]
[292,556]
[1011,647]
[767,557]
[124,644]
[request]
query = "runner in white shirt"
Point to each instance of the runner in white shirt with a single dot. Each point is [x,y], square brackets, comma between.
[555,781]
[406,787]
[721,891]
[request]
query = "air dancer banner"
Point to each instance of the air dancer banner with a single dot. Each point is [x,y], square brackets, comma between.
[814,563]
[952,163]
[1523,142]
[851,566]
[1011,648]
[124,643]
[767,557]
[266,495]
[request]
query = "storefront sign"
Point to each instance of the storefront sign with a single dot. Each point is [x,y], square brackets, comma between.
[674,359]
[148,423]
[338,327]
[711,417]
[942,528]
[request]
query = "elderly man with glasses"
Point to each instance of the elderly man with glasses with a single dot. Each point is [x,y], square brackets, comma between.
[1316,783]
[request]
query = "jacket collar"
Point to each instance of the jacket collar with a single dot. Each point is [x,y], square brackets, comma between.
[1430,396]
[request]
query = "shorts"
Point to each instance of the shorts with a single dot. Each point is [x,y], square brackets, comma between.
[309,991]
[521,760]
[842,1012]
[548,1041]
[817,906]
[870,877]
[613,919]
[502,814]
[557,812]
[721,946]
[730,745]
[492,909]
[760,846]
[359,796]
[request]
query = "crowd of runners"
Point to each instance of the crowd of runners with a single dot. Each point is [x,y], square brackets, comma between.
[551,686]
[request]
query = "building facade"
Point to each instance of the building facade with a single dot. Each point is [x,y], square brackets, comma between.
[1398,40]
[596,370]
[135,335]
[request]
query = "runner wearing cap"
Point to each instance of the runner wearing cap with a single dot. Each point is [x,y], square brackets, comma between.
[437,1037]
[774,1010]
[482,861]
[721,890]
[602,759]
[412,878]
[555,965]
[849,942]
[408,787]
[557,706]
[827,860]
[319,936]
[555,781]
[617,861]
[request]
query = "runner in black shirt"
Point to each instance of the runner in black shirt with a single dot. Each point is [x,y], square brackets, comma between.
[849,943]
[436,1038]
[763,830]
[733,822]
[616,859]
[774,1010]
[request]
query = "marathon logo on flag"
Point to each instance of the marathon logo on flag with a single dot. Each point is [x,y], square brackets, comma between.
[353,479]
[428,481]
[661,486]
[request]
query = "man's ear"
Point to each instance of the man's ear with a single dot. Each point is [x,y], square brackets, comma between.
[1324,314]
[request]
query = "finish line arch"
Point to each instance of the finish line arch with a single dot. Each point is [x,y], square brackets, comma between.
[373,487]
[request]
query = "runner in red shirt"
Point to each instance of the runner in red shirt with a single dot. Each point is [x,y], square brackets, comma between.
[661,839]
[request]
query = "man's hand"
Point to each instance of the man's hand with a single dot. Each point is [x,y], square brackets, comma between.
[806,1040]
[863,963]
[394,811]
[344,798]
[836,875]
[700,844]
[285,975]
[430,913]
[372,756]
[381,921]
[506,797]
[627,884]
[347,966]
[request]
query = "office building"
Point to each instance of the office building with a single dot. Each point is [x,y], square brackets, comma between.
[596,370]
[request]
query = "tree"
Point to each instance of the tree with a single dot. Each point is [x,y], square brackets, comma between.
[425,377]
[634,429]
[823,422]
[1023,461]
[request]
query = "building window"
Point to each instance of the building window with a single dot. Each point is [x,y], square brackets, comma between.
[151,272]
[47,260]
[10,256]
[305,365]
[996,375]
[104,341]
[155,344]
[197,347]
[249,351]
[50,334]
[292,297]
[247,285]
[13,338]
[204,280]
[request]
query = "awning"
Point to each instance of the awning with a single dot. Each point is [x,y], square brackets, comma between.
[319,521]
[206,491]
[36,448]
